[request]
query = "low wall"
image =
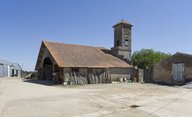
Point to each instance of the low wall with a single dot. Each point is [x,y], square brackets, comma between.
[115,73]
[129,73]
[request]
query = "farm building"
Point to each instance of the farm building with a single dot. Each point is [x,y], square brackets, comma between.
[85,64]
[8,69]
[175,70]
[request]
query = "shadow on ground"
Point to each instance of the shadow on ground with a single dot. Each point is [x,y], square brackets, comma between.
[41,82]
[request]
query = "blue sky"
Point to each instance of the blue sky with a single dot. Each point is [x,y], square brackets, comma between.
[163,25]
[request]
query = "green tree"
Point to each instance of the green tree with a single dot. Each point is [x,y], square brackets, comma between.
[147,57]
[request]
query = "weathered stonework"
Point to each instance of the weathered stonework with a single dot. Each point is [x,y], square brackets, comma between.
[162,72]
[77,64]
[122,40]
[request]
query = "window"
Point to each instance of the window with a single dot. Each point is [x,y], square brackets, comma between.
[17,73]
[117,43]
[127,31]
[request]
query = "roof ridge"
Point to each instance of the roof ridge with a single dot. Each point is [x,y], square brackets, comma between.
[45,41]
[183,53]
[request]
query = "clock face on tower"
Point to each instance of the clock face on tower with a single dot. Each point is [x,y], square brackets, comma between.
[122,39]
[126,36]
[126,39]
[126,43]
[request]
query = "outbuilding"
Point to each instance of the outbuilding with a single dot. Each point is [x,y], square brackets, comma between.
[175,70]
[8,69]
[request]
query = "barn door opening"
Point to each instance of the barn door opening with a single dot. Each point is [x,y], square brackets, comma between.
[1,70]
[12,72]
[47,69]
[16,73]
[178,72]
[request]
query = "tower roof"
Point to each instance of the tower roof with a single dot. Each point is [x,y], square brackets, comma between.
[123,22]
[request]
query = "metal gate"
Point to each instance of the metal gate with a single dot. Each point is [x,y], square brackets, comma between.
[1,70]
[177,72]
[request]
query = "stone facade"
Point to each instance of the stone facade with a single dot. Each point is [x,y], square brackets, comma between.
[67,63]
[162,72]
[50,71]
[122,40]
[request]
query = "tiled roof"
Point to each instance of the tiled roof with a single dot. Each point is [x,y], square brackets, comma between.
[123,22]
[69,55]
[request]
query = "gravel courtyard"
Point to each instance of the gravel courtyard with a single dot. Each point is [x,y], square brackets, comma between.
[20,98]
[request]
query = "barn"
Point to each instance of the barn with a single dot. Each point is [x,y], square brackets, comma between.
[79,64]
[175,70]
[8,69]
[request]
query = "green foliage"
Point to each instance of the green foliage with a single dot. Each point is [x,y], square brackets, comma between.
[147,57]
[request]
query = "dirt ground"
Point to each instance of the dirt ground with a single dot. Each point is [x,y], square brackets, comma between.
[20,98]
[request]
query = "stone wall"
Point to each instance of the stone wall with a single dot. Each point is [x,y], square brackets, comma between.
[128,73]
[162,74]
[162,71]
[115,73]
[188,72]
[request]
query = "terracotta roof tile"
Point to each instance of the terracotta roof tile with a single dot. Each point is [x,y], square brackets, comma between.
[69,55]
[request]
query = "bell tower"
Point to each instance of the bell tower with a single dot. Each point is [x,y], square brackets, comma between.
[122,40]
